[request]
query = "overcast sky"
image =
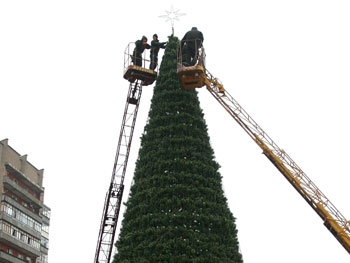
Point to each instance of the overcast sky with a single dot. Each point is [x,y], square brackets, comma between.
[62,98]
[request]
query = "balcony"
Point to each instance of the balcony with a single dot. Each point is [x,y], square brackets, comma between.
[19,245]
[25,195]
[7,258]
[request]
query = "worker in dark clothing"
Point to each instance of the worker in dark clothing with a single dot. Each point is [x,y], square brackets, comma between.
[155,46]
[190,43]
[140,46]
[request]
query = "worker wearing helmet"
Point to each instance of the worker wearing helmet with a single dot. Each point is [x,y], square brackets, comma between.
[155,46]
[140,46]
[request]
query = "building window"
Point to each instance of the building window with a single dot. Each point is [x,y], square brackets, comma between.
[46,213]
[20,216]
[44,242]
[20,235]
[5,227]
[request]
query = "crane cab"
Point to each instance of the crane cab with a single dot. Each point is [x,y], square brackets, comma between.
[191,75]
[134,72]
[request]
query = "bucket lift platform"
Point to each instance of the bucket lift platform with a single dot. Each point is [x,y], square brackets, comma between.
[191,77]
[147,76]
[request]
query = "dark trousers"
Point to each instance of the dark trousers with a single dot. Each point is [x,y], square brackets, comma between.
[189,55]
[136,59]
[154,61]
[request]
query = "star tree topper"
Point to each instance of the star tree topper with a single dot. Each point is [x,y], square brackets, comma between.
[171,16]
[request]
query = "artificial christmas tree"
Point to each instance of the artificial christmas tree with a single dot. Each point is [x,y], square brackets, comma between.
[176,210]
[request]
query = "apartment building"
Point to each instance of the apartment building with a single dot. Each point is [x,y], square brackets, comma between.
[24,218]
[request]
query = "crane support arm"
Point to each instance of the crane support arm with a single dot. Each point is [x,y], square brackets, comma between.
[331,216]
[113,199]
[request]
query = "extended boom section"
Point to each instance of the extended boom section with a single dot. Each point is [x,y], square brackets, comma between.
[196,77]
[115,191]
[335,222]
[138,76]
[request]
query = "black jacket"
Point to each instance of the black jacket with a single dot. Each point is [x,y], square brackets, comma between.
[156,45]
[192,35]
[139,48]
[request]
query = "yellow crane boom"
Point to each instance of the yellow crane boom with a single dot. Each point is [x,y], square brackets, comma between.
[197,76]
